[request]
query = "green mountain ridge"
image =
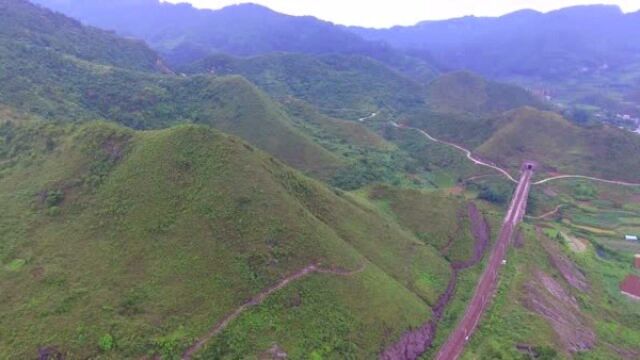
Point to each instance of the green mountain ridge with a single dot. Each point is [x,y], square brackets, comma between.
[148,235]
[465,92]
[185,34]
[560,146]
[203,187]
[341,85]
[28,26]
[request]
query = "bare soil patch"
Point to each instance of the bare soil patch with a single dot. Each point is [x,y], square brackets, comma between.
[481,234]
[575,244]
[274,353]
[563,264]
[50,353]
[549,299]
[518,241]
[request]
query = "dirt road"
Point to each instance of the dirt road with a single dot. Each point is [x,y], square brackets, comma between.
[258,299]
[467,152]
[614,182]
[485,289]
[504,172]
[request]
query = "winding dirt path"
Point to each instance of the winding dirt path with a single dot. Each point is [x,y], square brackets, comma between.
[260,297]
[368,117]
[467,152]
[546,215]
[559,177]
[504,172]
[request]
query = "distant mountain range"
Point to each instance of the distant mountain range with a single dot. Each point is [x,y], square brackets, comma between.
[197,165]
[184,34]
[569,55]
[528,43]
[585,56]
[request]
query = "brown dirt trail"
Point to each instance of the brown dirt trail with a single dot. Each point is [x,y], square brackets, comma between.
[259,298]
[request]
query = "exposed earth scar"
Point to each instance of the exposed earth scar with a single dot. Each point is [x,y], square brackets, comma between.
[416,342]
[454,346]
[260,297]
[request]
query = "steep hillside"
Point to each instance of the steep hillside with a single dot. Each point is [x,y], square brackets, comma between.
[345,86]
[25,26]
[560,146]
[120,244]
[59,77]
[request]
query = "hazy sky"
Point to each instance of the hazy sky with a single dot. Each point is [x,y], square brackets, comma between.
[385,13]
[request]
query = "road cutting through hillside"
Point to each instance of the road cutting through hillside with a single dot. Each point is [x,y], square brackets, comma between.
[467,152]
[504,172]
[453,347]
[259,298]
[560,177]
[368,117]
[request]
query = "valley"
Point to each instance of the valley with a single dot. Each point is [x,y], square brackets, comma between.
[245,184]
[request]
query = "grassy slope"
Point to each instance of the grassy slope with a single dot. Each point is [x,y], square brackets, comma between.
[561,146]
[429,216]
[465,92]
[55,68]
[59,87]
[461,107]
[158,234]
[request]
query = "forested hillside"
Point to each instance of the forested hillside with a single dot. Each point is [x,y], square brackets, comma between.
[26,29]
[342,85]
[241,183]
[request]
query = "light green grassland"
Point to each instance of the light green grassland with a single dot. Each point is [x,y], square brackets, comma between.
[151,237]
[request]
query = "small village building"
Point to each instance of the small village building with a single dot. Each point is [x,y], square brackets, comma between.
[631,287]
[637,262]
[631,237]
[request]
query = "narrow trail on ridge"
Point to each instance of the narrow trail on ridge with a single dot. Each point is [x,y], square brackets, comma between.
[260,297]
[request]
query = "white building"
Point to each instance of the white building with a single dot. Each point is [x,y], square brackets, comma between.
[631,238]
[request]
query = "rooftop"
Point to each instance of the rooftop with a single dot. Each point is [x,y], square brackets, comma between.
[637,262]
[631,286]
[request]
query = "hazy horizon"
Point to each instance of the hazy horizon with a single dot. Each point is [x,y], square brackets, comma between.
[384,14]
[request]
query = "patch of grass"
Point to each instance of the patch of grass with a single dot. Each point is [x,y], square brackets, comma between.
[15,265]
